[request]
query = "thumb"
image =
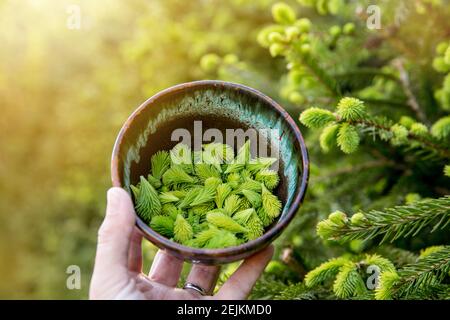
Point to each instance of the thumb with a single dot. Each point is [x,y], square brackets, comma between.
[114,235]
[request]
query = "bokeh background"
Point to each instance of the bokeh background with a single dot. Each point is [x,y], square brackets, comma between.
[65,92]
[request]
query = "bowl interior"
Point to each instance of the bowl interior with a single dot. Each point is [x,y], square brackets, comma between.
[217,106]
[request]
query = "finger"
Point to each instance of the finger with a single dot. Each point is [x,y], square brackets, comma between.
[114,235]
[204,276]
[135,251]
[239,285]
[166,269]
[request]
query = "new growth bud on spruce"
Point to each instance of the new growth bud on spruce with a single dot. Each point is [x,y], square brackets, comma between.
[292,33]
[399,134]
[335,31]
[304,25]
[208,198]
[447,56]
[275,37]
[328,137]
[276,49]
[447,170]
[339,218]
[210,62]
[418,129]
[305,49]
[441,48]
[316,117]
[325,229]
[440,65]
[406,121]
[441,128]
[296,98]
[348,138]
[283,13]
[349,28]
[358,219]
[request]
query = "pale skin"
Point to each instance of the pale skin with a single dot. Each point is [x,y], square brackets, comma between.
[118,270]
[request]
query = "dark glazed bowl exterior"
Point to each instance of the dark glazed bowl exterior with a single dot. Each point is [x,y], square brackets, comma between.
[148,129]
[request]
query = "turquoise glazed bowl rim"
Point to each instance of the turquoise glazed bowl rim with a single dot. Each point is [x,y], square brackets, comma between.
[229,254]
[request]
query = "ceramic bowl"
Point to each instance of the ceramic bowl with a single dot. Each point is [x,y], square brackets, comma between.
[220,105]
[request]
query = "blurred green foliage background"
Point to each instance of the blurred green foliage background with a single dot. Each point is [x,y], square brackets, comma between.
[64,94]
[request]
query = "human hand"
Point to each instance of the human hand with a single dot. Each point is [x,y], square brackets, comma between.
[118,264]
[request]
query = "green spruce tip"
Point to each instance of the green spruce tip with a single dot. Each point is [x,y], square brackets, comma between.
[169,209]
[181,154]
[222,220]
[351,109]
[212,182]
[168,197]
[241,160]
[328,137]
[245,204]
[246,174]
[222,239]
[223,191]
[447,170]
[326,271]
[234,180]
[255,227]
[156,183]
[270,203]
[135,192]
[283,13]
[176,175]
[258,164]
[349,282]
[182,230]
[232,204]
[264,217]
[147,204]
[441,128]
[253,197]
[243,216]
[269,177]
[316,117]
[189,198]
[160,162]
[206,194]
[203,209]
[249,184]
[205,171]
[216,214]
[203,237]
[399,135]
[348,138]
[218,152]
[164,225]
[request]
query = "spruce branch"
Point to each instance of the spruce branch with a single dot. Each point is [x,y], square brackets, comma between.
[406,85]
[351,114]
[307,60]
[289,258]
[428,271]
[377,126]
[391,223]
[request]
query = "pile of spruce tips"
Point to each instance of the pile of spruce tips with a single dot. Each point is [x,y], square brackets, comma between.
[208,198]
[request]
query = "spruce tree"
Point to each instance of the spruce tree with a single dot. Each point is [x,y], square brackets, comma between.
[374,107]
